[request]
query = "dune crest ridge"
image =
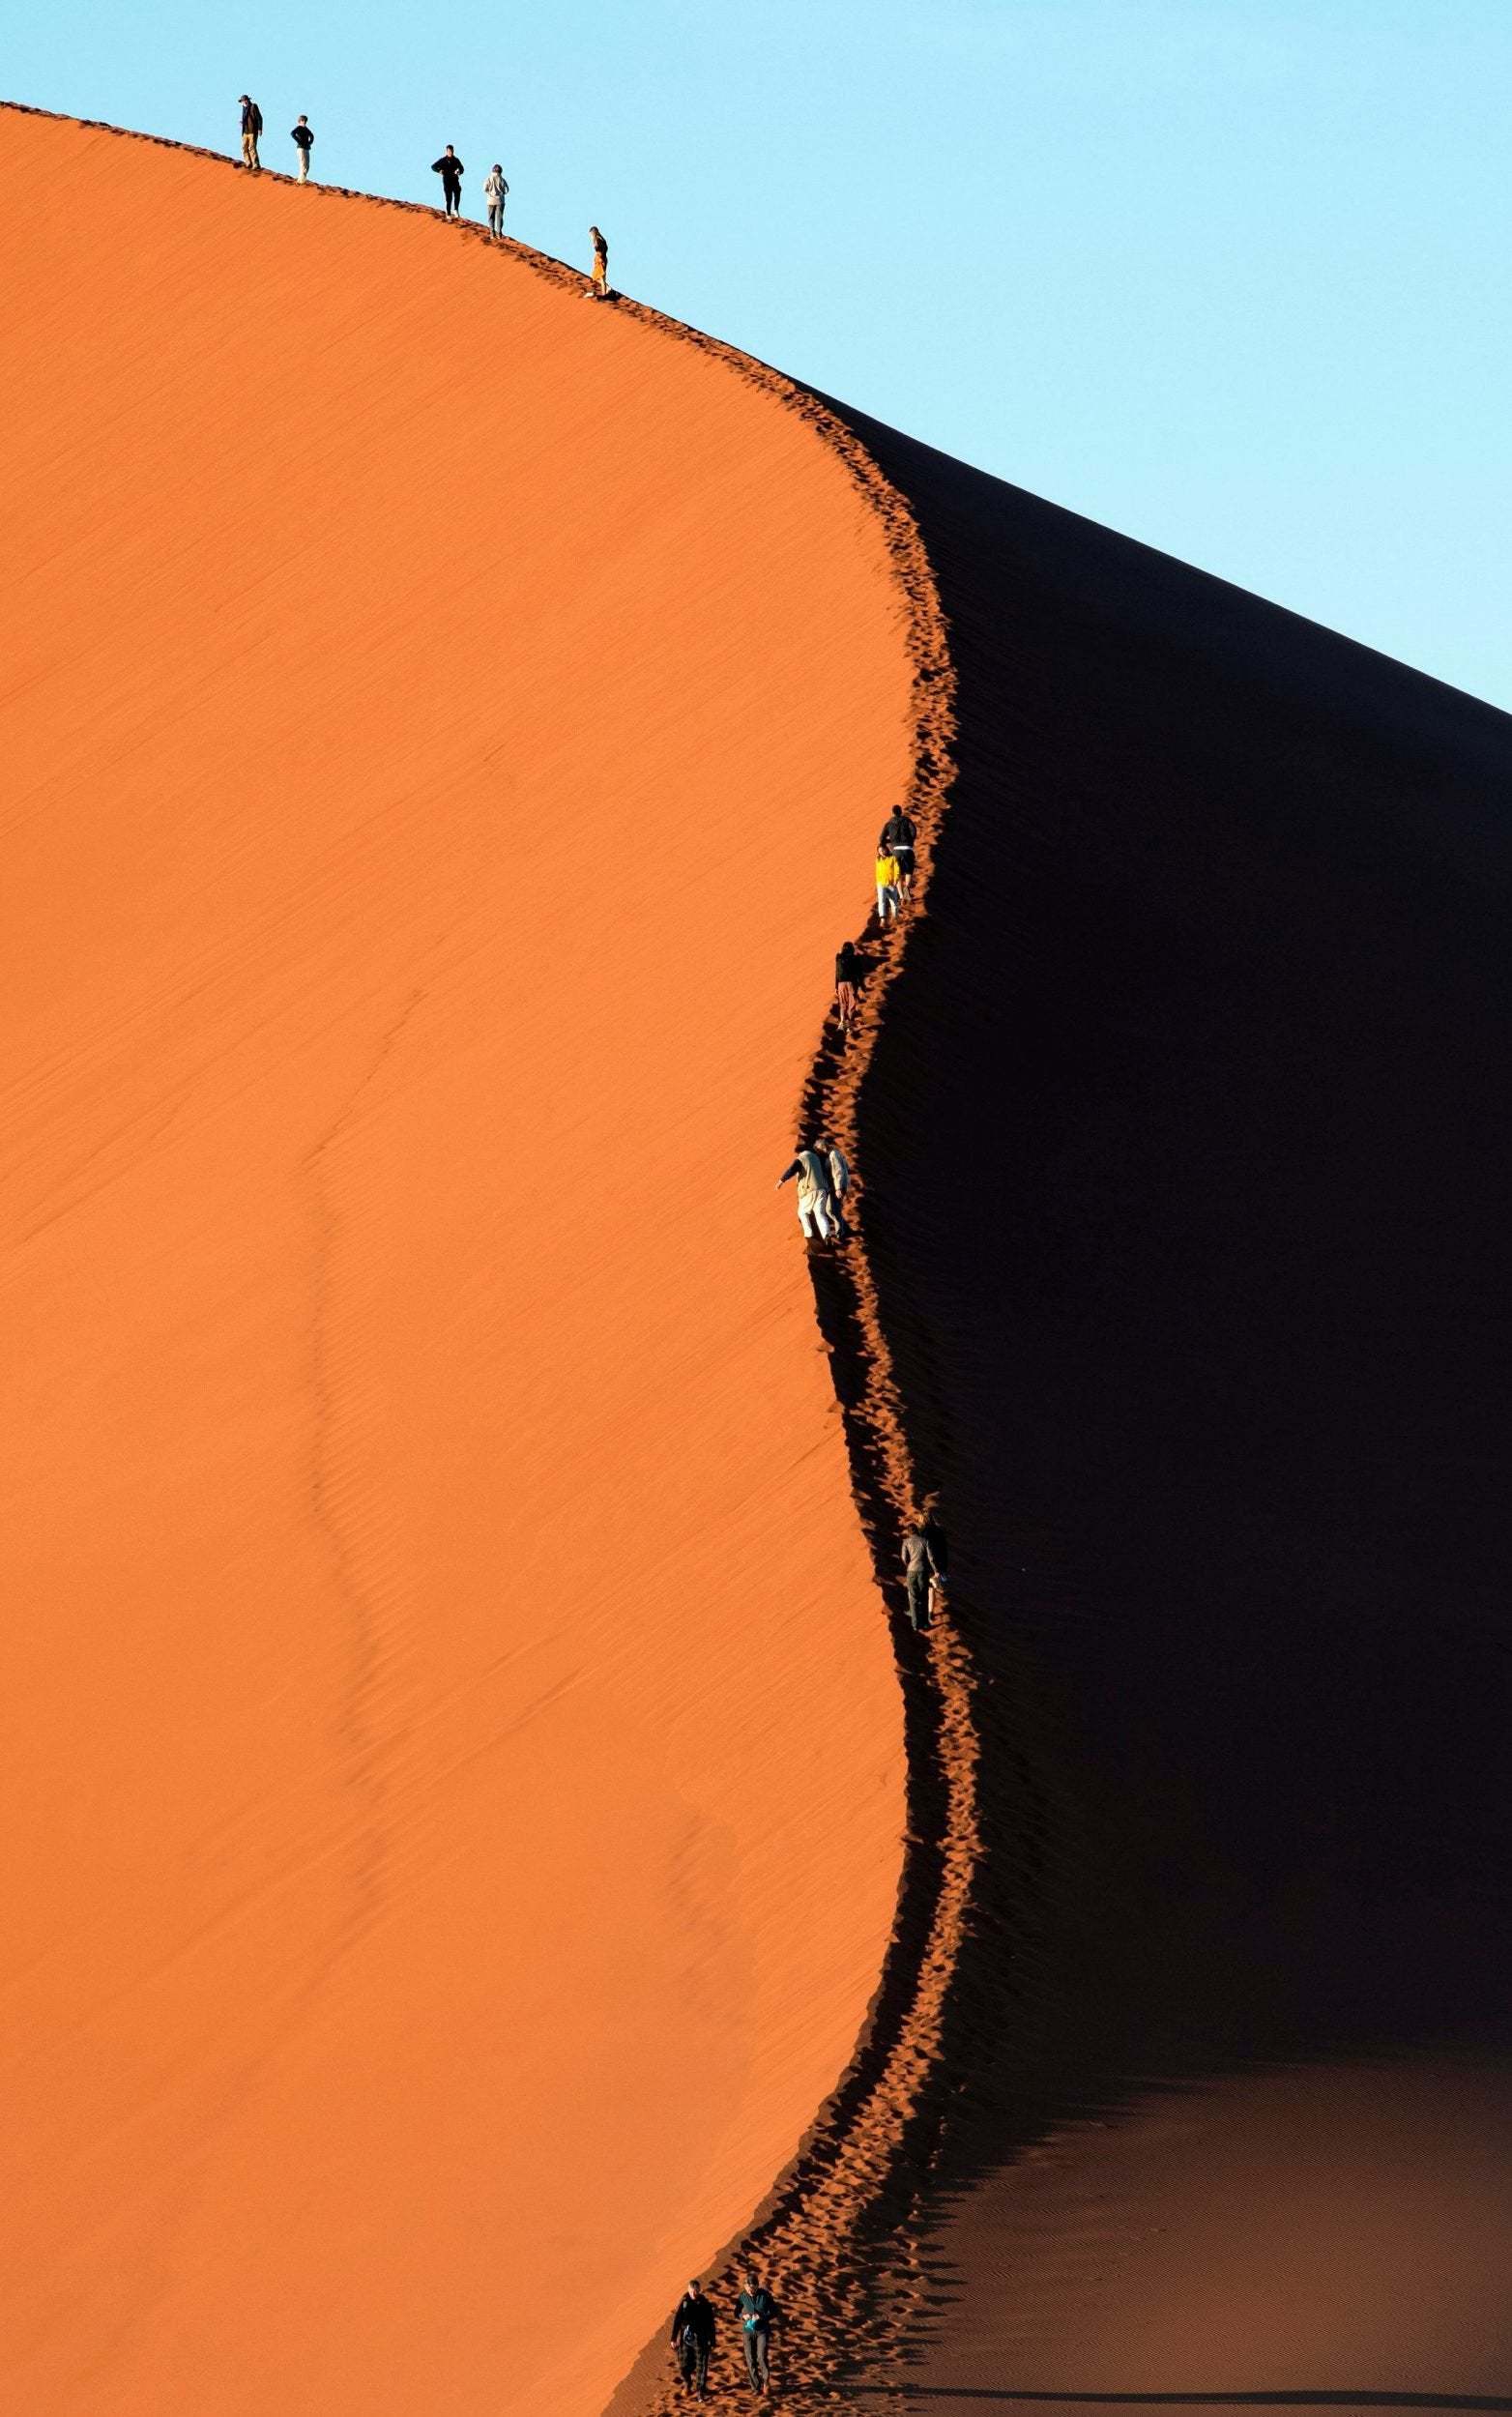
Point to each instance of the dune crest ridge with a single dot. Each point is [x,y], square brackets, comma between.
[428,1939]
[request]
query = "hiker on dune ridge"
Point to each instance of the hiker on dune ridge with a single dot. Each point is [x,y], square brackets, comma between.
[815,1204]
[304,142]
[448,167]
[251,128]
[599,289]
[693,2338]
[759,2314]
[846,981]
[495,187]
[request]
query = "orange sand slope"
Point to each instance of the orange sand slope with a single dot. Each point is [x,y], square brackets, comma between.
[451,1760]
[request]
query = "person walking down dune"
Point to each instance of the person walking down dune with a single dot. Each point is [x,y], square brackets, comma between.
[916,1574]
[898,836]
[251,128]
[759,2314]
[448,167]
[815,1207]
[693,2338]
[495,187]
[598,289]
[839,1179]
[888,905]
[847,983]
[304,142]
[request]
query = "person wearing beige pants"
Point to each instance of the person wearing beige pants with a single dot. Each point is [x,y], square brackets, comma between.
[251,128]
[304,142]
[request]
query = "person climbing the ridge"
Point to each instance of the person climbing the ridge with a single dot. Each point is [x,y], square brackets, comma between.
[495,187]
[598,289]
[918,1571]
[886,886]
[759,2314]
[847,983]
[898,836]
[815,1206]
[839,1179]
[304,142]
[251,128]
[939,1558]
[693,2338]
[448,167]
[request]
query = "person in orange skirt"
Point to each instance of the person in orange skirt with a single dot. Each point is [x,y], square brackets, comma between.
[599,289]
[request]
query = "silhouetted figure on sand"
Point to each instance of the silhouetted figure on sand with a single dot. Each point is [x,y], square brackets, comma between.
[887,894]
[847,983]
[815,1204]
[759,2315]
[304,142]
[898,836]
[251,128]
[448,167]
[495,189]
[939,1560]
[598,289]
[693,2338]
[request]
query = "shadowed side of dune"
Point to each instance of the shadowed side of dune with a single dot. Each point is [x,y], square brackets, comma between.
[1188,1190]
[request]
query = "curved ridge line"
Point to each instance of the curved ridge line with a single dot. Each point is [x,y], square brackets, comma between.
[852,2171]
[859,2170]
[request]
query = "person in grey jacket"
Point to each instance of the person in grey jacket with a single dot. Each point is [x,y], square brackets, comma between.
[815,1202]
[495,187]
[921,1573]
[839,1179]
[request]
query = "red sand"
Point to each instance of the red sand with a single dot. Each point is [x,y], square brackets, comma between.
[451,1762]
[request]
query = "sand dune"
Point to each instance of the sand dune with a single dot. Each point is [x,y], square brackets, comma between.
[454,1748]
[452,1760]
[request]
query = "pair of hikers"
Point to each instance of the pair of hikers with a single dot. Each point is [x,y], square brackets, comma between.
[693,2335]
[823,1178]
[925,1564]
[894,865]
[448,167]
[251,130]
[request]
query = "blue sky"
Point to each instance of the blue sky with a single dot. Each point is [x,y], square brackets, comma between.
[1227,275]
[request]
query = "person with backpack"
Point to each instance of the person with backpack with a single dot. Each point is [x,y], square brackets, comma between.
[251,128]
[495,187]
[898,836]
[304,142]
[759,2315]
[888,906]
[916,1574]
[693,2338]
[815,1204]
[448,167]
[847,983]
[598,289]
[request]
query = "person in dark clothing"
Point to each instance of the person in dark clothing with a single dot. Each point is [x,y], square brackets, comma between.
[759,2314]
[693,2338]
[251,128]
[898,836]
[847,983]
[304,142]
[448,167]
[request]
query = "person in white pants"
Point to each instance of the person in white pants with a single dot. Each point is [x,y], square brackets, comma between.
[839,1177]
[815,1203]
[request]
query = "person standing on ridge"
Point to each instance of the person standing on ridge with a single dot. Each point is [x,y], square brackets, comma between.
[887,886]
[921,1574]
[448,167]
[847,983]
[693,2338]
[597,290]
[939,1558]
[758,2312]
[898,836]
[815,1207]
[251,128]
[839,1179]
[495,187]
[304,142]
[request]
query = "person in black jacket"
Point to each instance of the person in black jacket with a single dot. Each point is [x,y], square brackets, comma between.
[448,167]
[304,142]
[847,983]
[251,128]
[898,836]
[693,2338]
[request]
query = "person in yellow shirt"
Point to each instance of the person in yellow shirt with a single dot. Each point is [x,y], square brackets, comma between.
[887,902]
